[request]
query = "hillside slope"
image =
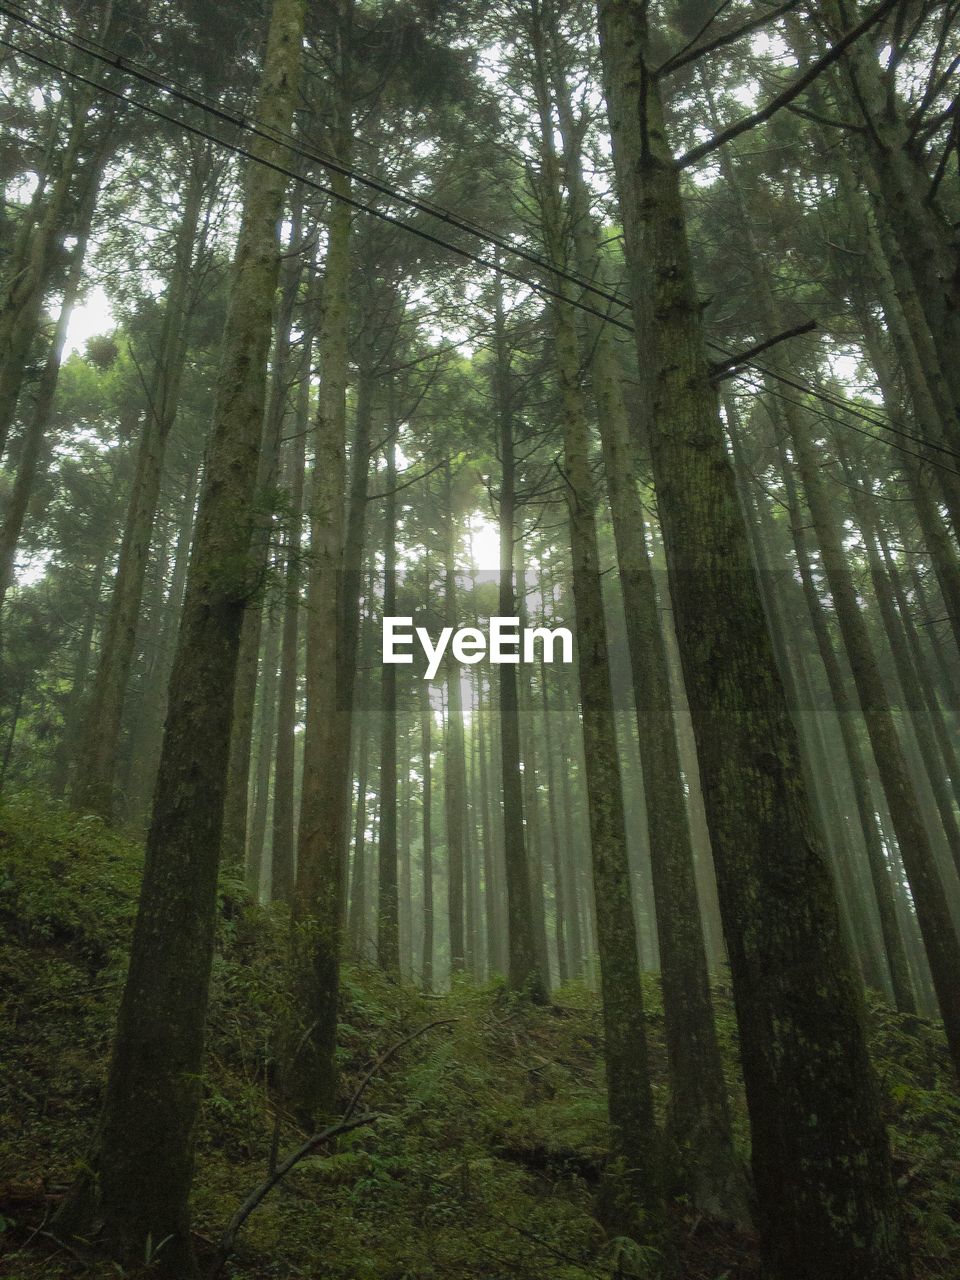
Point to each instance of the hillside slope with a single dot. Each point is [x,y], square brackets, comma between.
[486,1152]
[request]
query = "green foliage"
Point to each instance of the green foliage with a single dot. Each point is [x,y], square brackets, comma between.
[490,1148]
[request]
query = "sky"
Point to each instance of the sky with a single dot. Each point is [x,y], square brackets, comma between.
[92,317]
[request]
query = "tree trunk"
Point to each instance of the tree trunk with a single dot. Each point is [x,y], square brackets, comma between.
[388,911]
[699,1113]
[32,448]
[237,803]
[523,970]
[916,849]
[311,1074]
[144,1162]
[148,736]
[455,777]
[426,718]
[629,1096]
[282,858]
[357,912]
[93,785]
[821,1163]
[257,872]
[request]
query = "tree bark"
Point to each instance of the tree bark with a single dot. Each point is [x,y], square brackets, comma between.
[455,777]
[388,910]
[144,1161]
[93,786]
[282,871]
[826,1199]
[426,718]
[523,971]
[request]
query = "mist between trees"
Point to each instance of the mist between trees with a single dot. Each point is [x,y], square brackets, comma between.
[653,307]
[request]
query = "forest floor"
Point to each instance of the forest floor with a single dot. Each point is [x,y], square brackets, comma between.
[487,1150]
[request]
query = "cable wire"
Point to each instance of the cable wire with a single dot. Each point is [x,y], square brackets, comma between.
[290,143]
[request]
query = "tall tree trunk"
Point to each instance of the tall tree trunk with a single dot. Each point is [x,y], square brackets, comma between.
[73,711]
[237,803]
[913,837]
[94,780]
[629,1094]
[21,300]
[921,662]
[880,876]
[699,1113]
[523,969]
[32,448]
[388,911]
[426,718]
[311,1074]
[455,784]
[148,736]
[357,911]
[492,878]
[404,857]
[282,859]
[821,1162]
[257,872]
[560,888]
[531,787]
[908,673]
[144,1161]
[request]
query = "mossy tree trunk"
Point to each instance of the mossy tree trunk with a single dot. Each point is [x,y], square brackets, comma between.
[145,1150]
[237,804]
[426,756]
[913,836]
[699,1112]
[282,853]
[310,1074]
[32,448]
[821,1163]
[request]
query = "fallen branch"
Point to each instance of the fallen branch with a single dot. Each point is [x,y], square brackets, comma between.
[263,1190]
[345,1124]
[721,369]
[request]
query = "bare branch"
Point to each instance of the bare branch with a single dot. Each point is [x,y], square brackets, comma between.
[262,1191]
[727,368]
[691,43]
[347,1122]
[687,54]
[830,123]
[373,497]
[792,91]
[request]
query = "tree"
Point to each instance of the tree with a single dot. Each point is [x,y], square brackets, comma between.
[790,946]
[144,1158]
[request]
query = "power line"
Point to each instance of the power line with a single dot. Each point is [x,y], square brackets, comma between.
[298,147]
[290,143]
[834,422]
[237,149]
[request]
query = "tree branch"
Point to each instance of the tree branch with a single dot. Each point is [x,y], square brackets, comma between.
[792,91]
[345,1124]
[721,369]
[687,54]
[262,1191]
[373,497]
[830,123]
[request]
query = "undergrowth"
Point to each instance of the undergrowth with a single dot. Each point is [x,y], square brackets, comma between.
[490,1141]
